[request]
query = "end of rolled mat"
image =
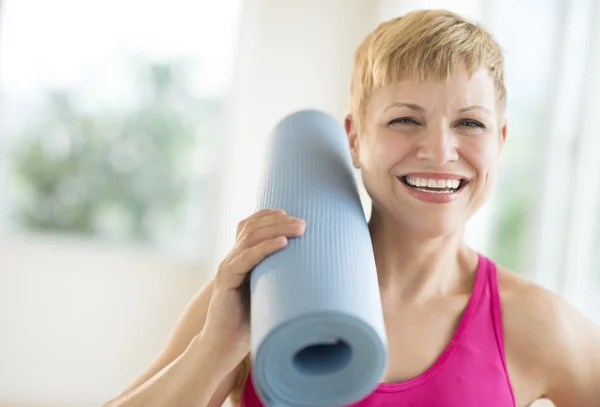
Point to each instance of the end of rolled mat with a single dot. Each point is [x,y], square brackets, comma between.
[327,359]
[323,358]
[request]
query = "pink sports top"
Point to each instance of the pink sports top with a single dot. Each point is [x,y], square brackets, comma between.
[471,371]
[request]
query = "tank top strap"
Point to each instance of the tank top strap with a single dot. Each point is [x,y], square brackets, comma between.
[496,313]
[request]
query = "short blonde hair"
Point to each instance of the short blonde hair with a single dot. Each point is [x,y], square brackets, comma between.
[421,45]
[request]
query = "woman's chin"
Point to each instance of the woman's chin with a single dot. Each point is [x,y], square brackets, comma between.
[432,224]
[430,220]
[434,231]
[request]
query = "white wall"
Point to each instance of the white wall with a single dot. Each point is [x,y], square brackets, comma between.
[78,321]
[292,55]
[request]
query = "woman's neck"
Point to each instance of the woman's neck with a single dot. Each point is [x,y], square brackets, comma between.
[417,266]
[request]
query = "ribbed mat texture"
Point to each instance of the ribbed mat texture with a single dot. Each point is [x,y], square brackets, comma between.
[318,335]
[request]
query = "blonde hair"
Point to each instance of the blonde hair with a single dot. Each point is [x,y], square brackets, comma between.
[421,45]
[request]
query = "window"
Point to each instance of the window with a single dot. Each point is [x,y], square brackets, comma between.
[110,111]
[529,73]
[547,203]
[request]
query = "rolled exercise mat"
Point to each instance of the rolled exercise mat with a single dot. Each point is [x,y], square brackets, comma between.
[318,334]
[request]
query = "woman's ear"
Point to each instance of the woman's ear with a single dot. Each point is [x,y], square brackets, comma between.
[353,140]
[503,131]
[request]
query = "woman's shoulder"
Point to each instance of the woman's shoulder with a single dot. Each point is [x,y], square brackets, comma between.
[546,338]
[530,315]
[524,301]
[515,289]
[530,311]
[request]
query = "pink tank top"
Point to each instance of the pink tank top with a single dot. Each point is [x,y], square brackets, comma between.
[471,371]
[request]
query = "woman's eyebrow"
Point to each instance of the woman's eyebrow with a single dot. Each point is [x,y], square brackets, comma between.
[404,104]
[419,108]
[475,107]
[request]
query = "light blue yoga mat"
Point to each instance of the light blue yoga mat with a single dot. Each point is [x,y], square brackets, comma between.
[318,335]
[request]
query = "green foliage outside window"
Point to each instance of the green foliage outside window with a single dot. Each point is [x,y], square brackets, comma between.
[118,173]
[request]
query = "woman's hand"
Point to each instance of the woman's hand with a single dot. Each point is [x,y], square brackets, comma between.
[258,236]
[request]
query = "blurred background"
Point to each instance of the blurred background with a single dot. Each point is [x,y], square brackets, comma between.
[131,142]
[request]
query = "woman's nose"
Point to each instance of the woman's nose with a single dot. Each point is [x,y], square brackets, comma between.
[437,145]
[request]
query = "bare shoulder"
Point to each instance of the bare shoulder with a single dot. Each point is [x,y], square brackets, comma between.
[552,349]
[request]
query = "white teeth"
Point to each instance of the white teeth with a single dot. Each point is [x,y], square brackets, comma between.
[433,183]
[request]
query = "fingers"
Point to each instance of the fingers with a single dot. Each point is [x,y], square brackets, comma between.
[234,272]
[268,224]
[264,213]
[258,236]
[269,228]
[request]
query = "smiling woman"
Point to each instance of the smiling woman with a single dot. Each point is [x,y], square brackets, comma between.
[543,223]
[426,129]
[427,110]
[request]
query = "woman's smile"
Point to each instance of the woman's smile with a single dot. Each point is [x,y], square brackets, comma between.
[434,187]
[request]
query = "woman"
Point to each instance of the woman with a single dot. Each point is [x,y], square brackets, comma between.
[426,128]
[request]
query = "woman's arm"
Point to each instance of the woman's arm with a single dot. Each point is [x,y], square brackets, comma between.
[203,358]
[200,376]
[190,370]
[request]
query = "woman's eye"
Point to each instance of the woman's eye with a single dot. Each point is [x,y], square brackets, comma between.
[471,123]
[403,121]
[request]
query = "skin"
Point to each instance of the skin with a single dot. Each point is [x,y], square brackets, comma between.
[426,271]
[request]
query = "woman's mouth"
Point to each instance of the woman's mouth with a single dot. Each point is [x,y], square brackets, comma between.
[435,190]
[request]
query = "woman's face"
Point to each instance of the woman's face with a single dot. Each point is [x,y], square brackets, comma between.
[429,151]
